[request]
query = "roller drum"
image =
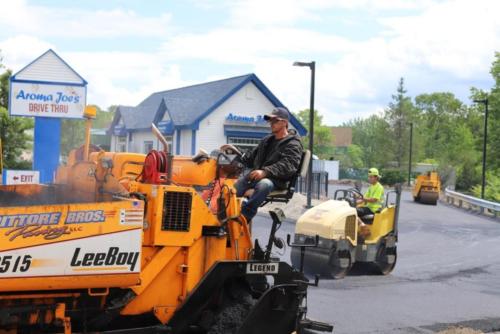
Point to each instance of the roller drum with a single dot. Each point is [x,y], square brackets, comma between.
[429,197]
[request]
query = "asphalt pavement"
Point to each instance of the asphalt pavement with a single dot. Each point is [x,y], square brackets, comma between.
[448,273]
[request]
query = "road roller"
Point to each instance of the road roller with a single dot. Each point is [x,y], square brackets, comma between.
[427,188]
[332,227]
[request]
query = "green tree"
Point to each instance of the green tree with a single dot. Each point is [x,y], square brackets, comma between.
[351,158]
[72,135]
[447,129]
[448,135]
[371,135]
[14,139]
[4,88]
[492,189]
[493,154]
[477,114]
[399,115]
[73,131]
[104,117]
[323,146]
[13,136]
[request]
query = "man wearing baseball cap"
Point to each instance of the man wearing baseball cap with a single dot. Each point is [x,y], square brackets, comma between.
[374,196]
[273,162]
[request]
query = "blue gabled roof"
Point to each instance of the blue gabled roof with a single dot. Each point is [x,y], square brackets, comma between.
[187,106]
[131,119]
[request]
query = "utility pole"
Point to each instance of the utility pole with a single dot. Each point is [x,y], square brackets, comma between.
[485,140]
[312,67]
[411,147]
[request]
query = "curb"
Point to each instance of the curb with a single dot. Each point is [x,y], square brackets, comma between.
[288,220]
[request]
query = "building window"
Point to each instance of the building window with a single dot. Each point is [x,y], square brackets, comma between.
[121,144]
[159,145]
[243,144]
[148,146]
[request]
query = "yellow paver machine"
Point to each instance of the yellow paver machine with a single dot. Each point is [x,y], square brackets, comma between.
[132,243]
[427,188]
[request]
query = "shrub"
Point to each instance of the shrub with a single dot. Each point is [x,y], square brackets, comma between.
[392,176]
[468,176]
[492,189]
[353,173]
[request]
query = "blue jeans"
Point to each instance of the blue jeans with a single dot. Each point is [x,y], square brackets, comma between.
[262,189]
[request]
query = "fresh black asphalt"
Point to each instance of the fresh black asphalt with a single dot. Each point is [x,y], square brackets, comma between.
[448,273]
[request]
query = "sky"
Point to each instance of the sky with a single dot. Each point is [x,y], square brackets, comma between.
[127,50]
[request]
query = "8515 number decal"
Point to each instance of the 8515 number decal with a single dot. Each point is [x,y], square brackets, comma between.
[9,263]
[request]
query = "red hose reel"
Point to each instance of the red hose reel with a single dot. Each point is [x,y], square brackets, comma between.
[155,167]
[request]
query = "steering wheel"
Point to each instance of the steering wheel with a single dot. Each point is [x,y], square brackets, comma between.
[356,193]
[230,149]
[350,195]
[230,164]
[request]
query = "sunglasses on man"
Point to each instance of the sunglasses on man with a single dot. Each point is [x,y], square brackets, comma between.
[274,120]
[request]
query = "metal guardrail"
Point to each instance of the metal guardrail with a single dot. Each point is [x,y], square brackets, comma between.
[472,202]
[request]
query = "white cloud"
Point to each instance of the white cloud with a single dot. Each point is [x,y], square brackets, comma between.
[114,77]
[379,5]
[124,78]
[442,45]
[22,18]
[15,14]
[264,12]
[457,36]
[243,46]
[247,13]
[20,50]
[341,92]
[437,45]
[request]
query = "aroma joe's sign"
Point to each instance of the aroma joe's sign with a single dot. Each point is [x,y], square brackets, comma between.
[47,100]
[47,87]
[232,118]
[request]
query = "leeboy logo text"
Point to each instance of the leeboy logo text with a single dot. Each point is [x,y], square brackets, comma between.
[113,257]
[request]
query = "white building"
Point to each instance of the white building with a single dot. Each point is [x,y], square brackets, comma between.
[204,116]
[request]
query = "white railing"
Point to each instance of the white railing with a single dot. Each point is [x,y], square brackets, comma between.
[472,203]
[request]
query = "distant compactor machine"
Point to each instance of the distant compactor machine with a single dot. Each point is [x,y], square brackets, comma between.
[333,227]
[427,188]
[132,243]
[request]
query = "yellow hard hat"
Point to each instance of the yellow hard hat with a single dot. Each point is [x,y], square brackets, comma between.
[374,172]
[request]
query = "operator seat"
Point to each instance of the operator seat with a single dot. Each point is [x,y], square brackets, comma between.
[368,219]
[283,196]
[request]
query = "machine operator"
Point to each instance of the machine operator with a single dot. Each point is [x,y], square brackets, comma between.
[273,163]
[374,196]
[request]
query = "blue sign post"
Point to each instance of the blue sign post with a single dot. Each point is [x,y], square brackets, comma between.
[47,89]
[46,150]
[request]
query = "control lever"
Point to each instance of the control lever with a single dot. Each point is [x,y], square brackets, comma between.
[303,247]
[278,216]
